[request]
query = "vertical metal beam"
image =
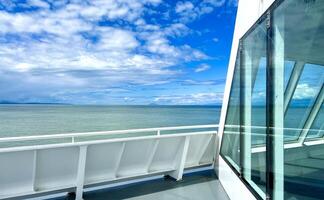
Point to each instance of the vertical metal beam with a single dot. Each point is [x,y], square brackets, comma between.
[216,158]
[312,115]
[34,170]
[246,80]
[293,82]
[241,106]
[278,109]
[81,172]
[256,60]
[269,110]
[181,160]
[275,108]
[236,143]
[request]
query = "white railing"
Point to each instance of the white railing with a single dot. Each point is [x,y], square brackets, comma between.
[102,133]
[37,169]
[298,138]
[294,141]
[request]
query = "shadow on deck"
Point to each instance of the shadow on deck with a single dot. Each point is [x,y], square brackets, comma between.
[197,185]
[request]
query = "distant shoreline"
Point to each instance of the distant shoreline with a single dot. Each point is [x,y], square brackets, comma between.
[134,105]
[3,103]
[32,103]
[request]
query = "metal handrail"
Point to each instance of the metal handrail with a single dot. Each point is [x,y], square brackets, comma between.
[101,133]
[264,127]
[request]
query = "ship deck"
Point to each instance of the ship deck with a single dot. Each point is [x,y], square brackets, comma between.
[193,186]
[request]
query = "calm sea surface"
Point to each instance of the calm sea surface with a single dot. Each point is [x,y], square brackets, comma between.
[22,120]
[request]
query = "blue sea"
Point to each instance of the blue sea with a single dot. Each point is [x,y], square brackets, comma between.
[41,119]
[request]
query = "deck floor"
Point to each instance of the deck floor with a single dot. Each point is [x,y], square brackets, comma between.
[195,186]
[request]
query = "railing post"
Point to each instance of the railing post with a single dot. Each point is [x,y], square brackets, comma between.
[216,158]
[81,173]
[181,161]
[158,132]
[34,170]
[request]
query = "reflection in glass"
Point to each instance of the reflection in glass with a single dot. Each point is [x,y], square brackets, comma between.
[303,44]
[230,148]
[295,104]
[254,105]
[306,91]
[317,130]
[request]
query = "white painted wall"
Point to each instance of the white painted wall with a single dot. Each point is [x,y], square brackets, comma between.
[248,13]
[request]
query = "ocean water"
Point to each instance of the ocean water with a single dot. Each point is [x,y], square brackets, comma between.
[23,120]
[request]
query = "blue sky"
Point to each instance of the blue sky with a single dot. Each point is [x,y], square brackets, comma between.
[115,51]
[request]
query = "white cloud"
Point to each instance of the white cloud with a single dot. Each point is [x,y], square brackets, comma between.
[188,12]
[158,43]
[38,3]
[61,46]
[65,48]
[128,99]
[305,91]
[59,23]
[116,39]
[202,68]
[183,6]
[176,30]
[203,82]
[17,86]
[216,3]
[216,40]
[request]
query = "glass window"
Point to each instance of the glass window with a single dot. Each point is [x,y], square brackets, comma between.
[254,105]
[316,132]
[289,65]
[303,99]
[303,44]
[230,148]
[296,112]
